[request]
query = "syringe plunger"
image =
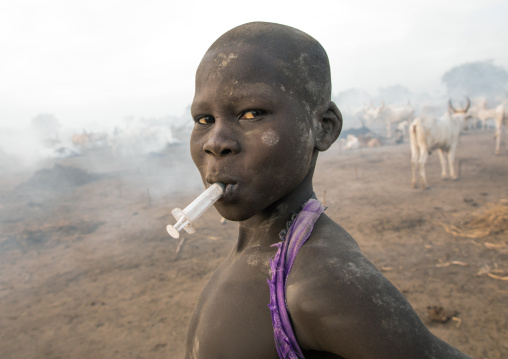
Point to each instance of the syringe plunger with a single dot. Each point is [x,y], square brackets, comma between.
[194,210]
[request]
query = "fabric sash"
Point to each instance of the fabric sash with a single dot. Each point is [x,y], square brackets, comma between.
[280,265]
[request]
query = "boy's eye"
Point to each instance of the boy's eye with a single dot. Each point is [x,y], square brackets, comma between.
[204,120]
[250,114]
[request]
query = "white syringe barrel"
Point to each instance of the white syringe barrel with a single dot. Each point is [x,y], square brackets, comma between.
[194,210]
[204,201]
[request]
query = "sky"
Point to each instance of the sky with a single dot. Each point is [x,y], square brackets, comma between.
[99,61]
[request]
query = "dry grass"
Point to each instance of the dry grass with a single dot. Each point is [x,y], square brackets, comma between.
[492,220]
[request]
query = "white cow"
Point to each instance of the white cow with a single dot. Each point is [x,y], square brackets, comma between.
[389,115]
[354,142]
[500,119]
[481,112]
[429,133]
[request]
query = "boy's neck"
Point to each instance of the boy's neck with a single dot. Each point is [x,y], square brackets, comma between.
[264,228]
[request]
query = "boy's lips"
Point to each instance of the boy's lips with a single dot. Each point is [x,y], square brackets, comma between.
[230,185]
[229,190]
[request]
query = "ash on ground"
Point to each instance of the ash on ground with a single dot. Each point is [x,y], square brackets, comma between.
[59,178]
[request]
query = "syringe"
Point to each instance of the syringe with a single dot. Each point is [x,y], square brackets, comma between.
[194,210]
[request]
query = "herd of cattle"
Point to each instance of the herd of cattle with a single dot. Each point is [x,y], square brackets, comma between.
[134,140]
[426,132]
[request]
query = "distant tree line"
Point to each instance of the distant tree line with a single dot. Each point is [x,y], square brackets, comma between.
[477,79]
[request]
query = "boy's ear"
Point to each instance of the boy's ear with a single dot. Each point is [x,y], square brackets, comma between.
[329,126]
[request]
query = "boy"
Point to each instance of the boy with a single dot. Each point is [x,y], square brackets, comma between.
[262,114]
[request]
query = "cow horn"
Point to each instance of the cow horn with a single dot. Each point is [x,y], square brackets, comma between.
[451,106]
[468,104]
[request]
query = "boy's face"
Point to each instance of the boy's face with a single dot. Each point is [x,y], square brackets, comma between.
[252,131]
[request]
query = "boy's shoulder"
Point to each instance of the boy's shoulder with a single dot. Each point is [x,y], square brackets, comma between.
[328,246]
[332,282]
[328,264]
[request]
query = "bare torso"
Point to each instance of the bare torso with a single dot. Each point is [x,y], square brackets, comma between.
[231,318]
[338,302]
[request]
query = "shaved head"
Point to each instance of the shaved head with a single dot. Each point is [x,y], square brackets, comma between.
[301,63]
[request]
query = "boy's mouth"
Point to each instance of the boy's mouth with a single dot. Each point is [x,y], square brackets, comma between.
[230,190]
[230,186]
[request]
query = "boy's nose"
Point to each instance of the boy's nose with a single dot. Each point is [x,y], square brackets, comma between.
[220,142]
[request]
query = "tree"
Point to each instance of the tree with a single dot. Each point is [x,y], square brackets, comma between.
[476,79]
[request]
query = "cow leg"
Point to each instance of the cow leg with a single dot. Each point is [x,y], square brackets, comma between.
[442,161]
[415,155]
[421,164]
[499,125]
[451,161]
[419,154]
[414,166]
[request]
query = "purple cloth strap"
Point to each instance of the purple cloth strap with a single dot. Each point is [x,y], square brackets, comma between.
[280,265]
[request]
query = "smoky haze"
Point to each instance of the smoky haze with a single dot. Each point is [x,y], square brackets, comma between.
[81,204]
[94,139]
[134,141]
[98,61]
[50,172]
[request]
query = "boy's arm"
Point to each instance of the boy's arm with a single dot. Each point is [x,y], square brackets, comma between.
[341,304]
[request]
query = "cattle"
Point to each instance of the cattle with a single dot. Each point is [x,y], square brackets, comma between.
[89,140]
[481,112]
[98,139]
[500,119]
[354,142]
[403,127]
[80,140]
[388,115]
[427,134]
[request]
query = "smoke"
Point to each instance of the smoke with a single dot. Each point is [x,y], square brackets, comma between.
[153,153]
[20,147]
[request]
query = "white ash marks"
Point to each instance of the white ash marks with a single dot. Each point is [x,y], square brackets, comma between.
[270,138]
[222,61]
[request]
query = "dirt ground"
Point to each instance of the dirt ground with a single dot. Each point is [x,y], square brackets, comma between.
[87,269]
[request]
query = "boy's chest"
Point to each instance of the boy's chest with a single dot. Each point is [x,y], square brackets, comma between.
[232,318]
